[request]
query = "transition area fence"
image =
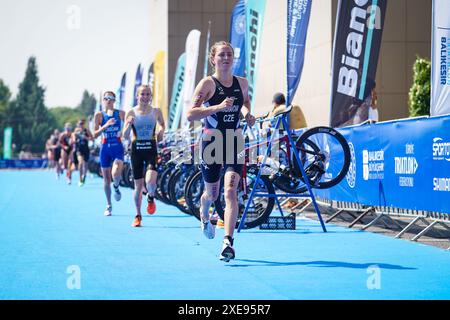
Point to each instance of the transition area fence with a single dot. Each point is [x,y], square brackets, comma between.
[398,168]
[23,163]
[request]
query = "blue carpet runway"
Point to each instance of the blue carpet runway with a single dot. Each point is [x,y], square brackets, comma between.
[52,233]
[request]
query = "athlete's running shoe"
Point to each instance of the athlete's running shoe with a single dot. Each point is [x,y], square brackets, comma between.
[117,194]
[137,221]
[220,223]
[108,211]
[208,229]
[81,183]
[227,253]
[151,206]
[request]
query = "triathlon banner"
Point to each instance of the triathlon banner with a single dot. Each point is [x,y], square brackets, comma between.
[254,10]
[137,83]
[297,28]
[400,164]
[176,102]
[357,41]
[151,75]
[237,38]
[121,92]
[192,47]
[205,67]
[159,87]
[7,142]
[99,103]
[440,58]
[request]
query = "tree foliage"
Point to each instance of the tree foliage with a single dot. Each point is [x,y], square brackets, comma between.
[419,94]
[88,104]
[66,114]
[27,114]
[31,120]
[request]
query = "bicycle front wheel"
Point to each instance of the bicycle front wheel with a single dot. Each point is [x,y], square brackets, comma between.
[261,206]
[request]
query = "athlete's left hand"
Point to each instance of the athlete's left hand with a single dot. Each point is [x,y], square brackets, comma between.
[250,119]
[160,136]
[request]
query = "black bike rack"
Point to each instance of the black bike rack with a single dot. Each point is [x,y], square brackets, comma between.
[282,119]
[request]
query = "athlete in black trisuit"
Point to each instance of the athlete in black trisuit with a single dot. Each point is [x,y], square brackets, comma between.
[219,100]
[80,138]
[66,151]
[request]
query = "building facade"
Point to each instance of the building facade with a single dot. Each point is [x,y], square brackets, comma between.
[406,34]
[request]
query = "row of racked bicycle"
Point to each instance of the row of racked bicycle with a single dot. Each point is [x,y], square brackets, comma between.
[323,152]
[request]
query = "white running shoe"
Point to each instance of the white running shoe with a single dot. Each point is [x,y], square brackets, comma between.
[227,253]
[108,211]
[208,229]
[117,194]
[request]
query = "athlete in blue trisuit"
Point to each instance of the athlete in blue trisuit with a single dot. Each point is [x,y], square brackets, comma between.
[219,100]
[108,124]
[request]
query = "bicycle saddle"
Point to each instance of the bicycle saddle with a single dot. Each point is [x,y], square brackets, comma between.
[282,110]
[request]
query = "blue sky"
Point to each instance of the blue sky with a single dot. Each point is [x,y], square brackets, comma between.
[79,44]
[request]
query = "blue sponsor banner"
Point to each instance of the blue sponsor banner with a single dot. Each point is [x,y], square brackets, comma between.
[237,38]
[23,164]
[298,20]
[440,58]
[137,83]
[357,42]
[402,164]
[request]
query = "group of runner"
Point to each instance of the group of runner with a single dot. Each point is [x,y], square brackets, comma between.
[220,101]
[69,151]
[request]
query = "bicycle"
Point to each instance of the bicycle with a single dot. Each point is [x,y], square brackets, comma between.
[316,148]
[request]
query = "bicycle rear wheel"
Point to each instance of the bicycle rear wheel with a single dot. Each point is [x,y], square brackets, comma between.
[325,156]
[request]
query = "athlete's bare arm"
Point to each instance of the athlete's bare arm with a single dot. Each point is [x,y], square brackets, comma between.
[162,126]
[129,120]
[246,107]
[89,134]
[122,115]
[97,123]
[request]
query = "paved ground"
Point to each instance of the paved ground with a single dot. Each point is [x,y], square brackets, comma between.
[56,244]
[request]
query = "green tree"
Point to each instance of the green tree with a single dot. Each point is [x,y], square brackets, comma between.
[27,114]
[88,104]
[419,94]
[66,114]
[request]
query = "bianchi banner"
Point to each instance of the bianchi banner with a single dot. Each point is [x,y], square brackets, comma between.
[254,26]
[440,58]
[177,95]
[357,41]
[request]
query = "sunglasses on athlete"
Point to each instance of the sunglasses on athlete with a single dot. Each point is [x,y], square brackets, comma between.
[109,98]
